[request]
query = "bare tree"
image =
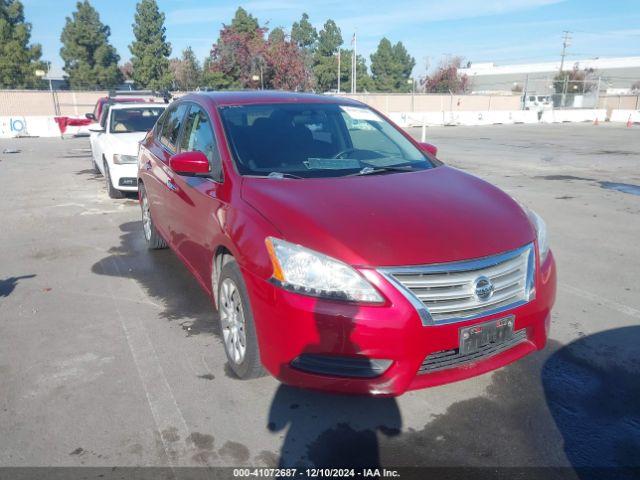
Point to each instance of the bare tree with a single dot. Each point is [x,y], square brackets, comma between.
[446,78]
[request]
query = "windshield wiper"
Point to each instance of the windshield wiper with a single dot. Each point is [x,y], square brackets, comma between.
[282,175]
[379,170]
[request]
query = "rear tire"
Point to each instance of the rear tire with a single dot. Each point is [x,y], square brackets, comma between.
[236,322]
[151,235]
[113,192]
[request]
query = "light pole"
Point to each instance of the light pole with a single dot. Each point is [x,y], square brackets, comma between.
[338,69]
[42,74]
[412,82]
[258,61]
[354,64]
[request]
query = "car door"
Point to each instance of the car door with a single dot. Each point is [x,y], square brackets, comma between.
[97,139]
[155,153]
[195,227]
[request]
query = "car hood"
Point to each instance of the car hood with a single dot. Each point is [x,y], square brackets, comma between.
[126,143]
[429,216]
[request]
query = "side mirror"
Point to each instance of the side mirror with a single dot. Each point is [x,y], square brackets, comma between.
[429,148]
[97,129]
[90,116]
[189,163]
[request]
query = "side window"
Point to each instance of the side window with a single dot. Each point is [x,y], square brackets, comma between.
[198,136]
[97,110]
[104,115]
[157,129]
[171,127]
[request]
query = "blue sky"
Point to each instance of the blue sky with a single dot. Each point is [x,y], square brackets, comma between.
[502,31]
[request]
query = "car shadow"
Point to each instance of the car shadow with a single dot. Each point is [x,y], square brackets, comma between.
[572,407]
[8,285]
[331,430]
[592,388]
[163,277]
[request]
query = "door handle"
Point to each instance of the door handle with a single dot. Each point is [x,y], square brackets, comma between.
[172,186]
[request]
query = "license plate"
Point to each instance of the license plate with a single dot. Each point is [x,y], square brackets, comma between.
[475,337]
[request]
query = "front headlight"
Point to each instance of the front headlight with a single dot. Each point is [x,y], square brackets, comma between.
[541,234]
[122,159]
[308,272]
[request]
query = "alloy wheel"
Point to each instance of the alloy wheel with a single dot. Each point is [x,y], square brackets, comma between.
[146,217]
[232,321]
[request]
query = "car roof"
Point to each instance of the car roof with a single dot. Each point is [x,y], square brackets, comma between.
[249,97]
[131,105]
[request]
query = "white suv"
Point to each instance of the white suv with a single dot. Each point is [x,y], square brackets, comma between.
[115,142]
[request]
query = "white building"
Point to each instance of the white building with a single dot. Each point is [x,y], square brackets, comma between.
[616,74]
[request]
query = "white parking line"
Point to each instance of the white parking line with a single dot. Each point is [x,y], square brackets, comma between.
[120,298]
[618,307]
[167,416]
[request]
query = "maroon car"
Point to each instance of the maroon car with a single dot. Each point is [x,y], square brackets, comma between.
[339,252]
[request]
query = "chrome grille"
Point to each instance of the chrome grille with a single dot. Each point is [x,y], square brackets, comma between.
[452,358]
[446,292]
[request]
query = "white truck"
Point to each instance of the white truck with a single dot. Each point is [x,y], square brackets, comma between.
[115,142]
[538,102]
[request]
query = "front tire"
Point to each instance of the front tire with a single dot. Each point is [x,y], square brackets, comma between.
[236,322]
[113,192]
[153,239]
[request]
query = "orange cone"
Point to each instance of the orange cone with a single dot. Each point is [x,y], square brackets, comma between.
[629,122]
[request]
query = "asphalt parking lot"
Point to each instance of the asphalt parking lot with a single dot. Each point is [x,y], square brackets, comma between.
[110,354]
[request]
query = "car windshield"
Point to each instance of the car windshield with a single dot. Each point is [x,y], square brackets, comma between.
[316,140]
[129,120]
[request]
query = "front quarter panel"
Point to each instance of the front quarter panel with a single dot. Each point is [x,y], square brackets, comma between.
[247,230]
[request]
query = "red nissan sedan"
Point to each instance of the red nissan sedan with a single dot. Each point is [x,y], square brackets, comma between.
[339,252]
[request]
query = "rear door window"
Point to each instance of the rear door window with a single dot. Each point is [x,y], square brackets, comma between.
[171,127]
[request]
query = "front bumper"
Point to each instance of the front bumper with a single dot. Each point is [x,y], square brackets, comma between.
[124,176]
[292,327]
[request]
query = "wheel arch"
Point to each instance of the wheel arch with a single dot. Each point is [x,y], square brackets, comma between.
[221,256]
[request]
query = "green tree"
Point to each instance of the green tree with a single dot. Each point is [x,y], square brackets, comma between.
[329,39]
[405,64]
[304,34]
[89,59]
[325,60]
[186,71]
[277,35]
[391,67]
[305,37]
[363,80]
[244,22]
[18,59]
[212,78]
[150,50]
